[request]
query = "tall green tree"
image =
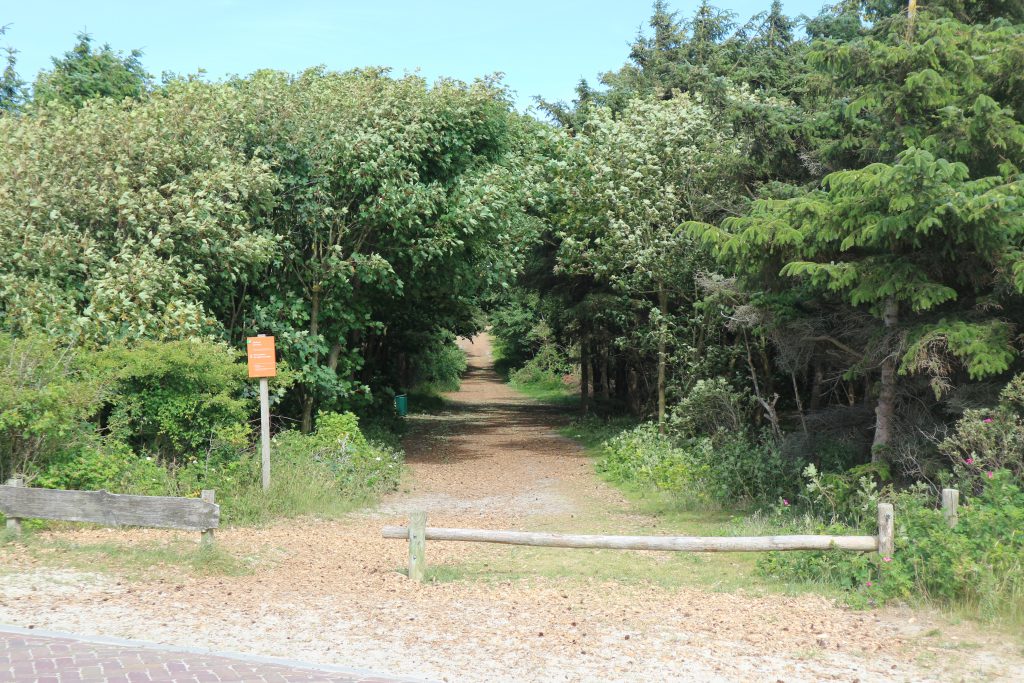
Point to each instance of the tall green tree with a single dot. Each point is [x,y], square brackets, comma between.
[356,216]
[12,88]
[632,179]
[925,227]
[401,205]
[124,220]
[85,73]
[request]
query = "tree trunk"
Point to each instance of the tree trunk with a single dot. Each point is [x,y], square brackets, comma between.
[799,403]
[885,410]
[621,379]
[816,382]
[662,355]
[403,370]
[307,413]
[585,374]
[332,357]
[606,390]
[314,330]
[633,389]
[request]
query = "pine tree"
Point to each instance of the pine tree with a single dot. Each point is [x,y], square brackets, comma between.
[922,220]
[12,88]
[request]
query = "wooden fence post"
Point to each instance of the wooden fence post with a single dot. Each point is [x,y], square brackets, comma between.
[950,503]
[14,523]
[210,497]
[886,529]
[417,545]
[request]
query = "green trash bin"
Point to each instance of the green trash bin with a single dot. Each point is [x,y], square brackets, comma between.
[402,405]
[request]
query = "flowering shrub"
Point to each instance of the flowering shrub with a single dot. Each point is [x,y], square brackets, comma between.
[989,440]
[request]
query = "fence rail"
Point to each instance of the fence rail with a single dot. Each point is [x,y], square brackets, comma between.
[418,533]
[18,502]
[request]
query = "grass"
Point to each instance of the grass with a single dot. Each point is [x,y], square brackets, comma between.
[295,495]
[550,390]
[135,559]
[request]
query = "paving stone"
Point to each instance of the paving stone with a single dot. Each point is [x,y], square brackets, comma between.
[65,659]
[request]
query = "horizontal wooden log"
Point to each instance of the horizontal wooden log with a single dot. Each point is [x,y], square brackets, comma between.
[701,544]
[110,509]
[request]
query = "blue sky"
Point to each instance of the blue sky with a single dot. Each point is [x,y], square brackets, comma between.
[542,47]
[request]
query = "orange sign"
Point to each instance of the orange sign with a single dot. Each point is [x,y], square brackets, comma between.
[262,361]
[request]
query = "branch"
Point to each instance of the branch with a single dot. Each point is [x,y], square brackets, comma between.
[850,350]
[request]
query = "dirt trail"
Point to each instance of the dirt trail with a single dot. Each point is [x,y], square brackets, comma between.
[494,453]
[331,591]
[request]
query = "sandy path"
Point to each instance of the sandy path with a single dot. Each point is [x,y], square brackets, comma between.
[330,592]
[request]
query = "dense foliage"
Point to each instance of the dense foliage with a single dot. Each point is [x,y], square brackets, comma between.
[146,229]
[801,255]
[358,218]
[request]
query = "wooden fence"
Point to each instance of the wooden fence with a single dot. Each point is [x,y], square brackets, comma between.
[110,509]
[418,533]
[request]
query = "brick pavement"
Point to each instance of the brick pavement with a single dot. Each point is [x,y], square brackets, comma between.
[28,655]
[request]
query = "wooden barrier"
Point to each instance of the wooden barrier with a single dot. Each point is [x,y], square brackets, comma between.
[110,509]
[950,506]
[417,533]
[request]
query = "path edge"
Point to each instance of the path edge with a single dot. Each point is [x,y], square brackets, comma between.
[7,629]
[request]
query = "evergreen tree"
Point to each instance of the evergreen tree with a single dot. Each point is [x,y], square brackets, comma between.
[929,234]
[12,88]
[85,73]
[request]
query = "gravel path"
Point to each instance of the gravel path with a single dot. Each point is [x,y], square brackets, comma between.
[331,591]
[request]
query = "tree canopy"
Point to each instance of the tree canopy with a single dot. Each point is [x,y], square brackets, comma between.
[85,73]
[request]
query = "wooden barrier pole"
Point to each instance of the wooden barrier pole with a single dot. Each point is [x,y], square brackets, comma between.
[207,535]
[707,544]
[950,505]
[886,530]
[417,545]
[14,523]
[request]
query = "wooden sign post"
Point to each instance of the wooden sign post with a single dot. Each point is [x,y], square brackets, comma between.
[263,364]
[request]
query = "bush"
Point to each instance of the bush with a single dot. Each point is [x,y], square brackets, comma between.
[45,404]
[107,465]
[849,497]
[173,400]
[170,418]
[645,458]
[712,405]
[357,466]
[328,472]
[729,468]
[979,563]
[518,329]
[985,441]
[548,369]
[439,366]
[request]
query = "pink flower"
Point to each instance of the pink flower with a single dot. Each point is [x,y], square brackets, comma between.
[869,584]
[886,559]
[990,475]
[785,502]
[969,461]
[987,420]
